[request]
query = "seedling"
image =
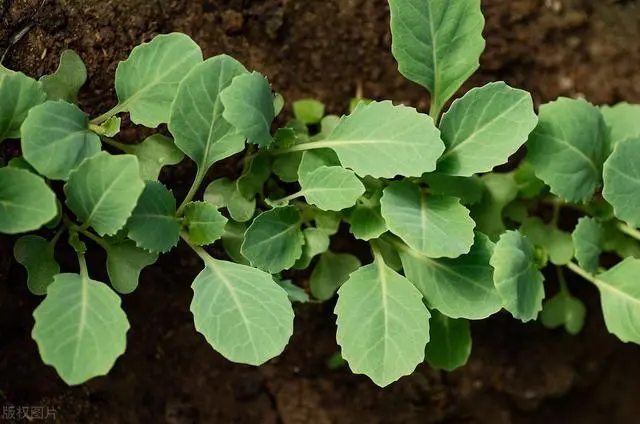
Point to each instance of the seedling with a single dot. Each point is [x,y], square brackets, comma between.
[450,240]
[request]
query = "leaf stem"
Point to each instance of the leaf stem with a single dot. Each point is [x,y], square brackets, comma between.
[57,236]
[108,114]
[287,199]
[556,205]
[434,112]
[563,282]
[631,232]
[203,254]
[192,191]
[84,271]
[575,268]
[114,143]
[305,146]
[93,238]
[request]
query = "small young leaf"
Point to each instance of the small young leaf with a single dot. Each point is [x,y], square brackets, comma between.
[435,226]
[232,239]
[623,121]
[273,242]
[516,276]
[568,148]
[588,241]
[286,166]
[104,190]
[205,224]
[66,81]
[404,142]
[468,189]
[500,190]
[56,139]
[153,224]
[19,94]
[248,107]
[309,111]
[253,179]
[622,181]
[316,242]
[383,326]
[563,310]
[331,188]
[278,103]
[327,221]
[80,328]
[224,193]
[27,201]
[528,184]
[557,243]
[437,43]
[241,311]
[314,159]
[110,127]
[294,293]
[477,142]
[147,82]
[154,153]
[449,346]
[196,120]
[618,242]
[459,288]
[125,261]
[36,255]
[331,271]
[366,223]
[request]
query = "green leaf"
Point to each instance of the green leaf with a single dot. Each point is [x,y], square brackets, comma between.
[588,241]
[366,223]
[383,326]
[449,346]
[196,120]
[557,243]
[331,188]
[110,127]
[66,81]
[104,190]
[327,221]
[316,241]
[383,140]
[27,202]
[309,111]
[389,254]
[256,175]
[468,189]
[278,103]
[232,239]
[563,310]
[286,166]
[622,181]
[623,121]
[528,184]
[484,127]
[273,242]
[435,226]
[125,261]
[618,242]
[153,154]
[224,193]
[147,82]
[437,43]
[20,163]
[331,271]
[80,328]
[153,224]
[205,224]
[36,255]
[516,276]
[314,159]
[500,190]
[241,311]
[568,147]
[248,106]
[56,139]
[459,288]
[19,94]
[294,293]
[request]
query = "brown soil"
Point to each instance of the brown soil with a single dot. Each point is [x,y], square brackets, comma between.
[323,49]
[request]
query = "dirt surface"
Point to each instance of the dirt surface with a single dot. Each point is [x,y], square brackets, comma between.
[323,49]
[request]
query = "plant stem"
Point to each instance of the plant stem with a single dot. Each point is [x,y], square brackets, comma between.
[563,283]
[557,204]
[108,114]
[631,232]
[575,268]
[192,191]
[57,236]
[206,257]
[434,113]
[93,237]
[114,143]
[290,197]
[305,146]
[83,265]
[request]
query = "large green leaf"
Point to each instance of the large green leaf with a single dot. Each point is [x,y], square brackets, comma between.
[623,121]
[66,81]
[484,127]
[459,288]
[568,148]
[435,226]
[588,242]
[241,311]
[36,255]
[56,139]
[104,190]
[331,188]
[437,43]
[146,83]
[620,296]
[383,140]
[205,224]
[622,181]
[196,114]
[331,271]
[26,202]
[273,242]
[248,107]
[449,346]
[383,326]
[516,276]
[19,93]
[80,328]
[153,224]
[155,152]
[125,261]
